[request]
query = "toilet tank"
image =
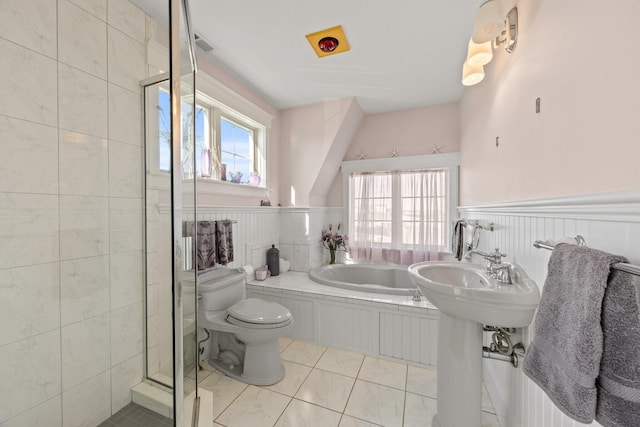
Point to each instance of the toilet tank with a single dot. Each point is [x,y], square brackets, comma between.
[220,288]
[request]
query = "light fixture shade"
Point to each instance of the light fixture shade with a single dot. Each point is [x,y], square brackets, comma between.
[472,74]
[479,53]
[489,22]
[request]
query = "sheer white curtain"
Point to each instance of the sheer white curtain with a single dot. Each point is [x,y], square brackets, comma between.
[398,217]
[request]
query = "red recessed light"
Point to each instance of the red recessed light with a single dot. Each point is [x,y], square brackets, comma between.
[328,44]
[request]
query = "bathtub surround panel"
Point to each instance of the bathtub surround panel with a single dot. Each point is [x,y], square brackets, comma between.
[608,221]
[398,332]
[70,209]
[377,325]
[346,325]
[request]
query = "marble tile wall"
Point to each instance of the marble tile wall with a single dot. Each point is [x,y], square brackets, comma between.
[71,256]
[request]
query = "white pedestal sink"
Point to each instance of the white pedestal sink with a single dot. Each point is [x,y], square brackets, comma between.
[467,298]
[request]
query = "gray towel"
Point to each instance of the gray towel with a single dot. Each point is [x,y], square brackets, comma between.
[206,245]
[224,241]
[564,356]
[619,380]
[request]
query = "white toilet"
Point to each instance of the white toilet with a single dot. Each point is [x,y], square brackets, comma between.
[244,332]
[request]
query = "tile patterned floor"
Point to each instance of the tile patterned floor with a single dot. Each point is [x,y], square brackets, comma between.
[323,387]
[134,415]
[328,387]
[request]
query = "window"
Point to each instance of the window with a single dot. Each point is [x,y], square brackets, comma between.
[399,209]
[228,146]
[237,147]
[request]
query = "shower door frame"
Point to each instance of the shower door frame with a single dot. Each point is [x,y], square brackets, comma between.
[175,79]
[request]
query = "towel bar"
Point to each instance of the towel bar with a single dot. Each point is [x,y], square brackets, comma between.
[622,266]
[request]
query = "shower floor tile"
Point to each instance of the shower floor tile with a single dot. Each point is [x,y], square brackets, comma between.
[134,415]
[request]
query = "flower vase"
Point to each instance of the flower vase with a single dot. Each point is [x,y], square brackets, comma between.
[332,253]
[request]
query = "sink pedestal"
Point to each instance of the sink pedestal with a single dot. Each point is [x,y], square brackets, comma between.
[459,372]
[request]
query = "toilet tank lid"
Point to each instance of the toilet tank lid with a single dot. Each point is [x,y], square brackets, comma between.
[254,310]
[216,279]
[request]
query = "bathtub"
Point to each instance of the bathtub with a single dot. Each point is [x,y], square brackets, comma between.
[381,279]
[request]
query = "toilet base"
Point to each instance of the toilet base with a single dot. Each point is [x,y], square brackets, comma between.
[262,365]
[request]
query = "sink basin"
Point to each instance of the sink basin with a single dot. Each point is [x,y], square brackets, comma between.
[467,298]
[466,291]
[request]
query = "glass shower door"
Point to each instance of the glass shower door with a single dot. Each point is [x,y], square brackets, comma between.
[171,361]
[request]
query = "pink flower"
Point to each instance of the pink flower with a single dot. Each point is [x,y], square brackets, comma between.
[334,240]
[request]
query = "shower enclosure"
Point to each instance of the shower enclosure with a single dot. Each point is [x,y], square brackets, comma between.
[170,191]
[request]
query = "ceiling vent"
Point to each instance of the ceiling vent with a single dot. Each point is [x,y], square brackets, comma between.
[204,45]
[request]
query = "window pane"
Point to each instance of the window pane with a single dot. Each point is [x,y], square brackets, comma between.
[202,135]
[237,147]
[164,131]
[411,213]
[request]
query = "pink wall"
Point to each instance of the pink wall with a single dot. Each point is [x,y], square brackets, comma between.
[412,132]
[580,59]
[273,136]
[314,139]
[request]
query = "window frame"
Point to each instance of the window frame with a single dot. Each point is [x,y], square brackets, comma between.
[408,163]
[253,150]
[220,101]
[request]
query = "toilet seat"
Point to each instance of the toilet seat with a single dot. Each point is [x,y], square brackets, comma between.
[257,314]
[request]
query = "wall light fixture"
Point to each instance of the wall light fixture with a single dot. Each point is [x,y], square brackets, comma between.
[492,29]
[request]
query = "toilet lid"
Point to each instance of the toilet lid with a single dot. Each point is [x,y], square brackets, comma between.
[259,312]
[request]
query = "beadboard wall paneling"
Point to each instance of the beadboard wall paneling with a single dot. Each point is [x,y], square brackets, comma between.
[385,330]
[610,222]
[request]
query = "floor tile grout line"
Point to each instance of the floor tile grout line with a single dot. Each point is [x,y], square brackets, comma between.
[283,411]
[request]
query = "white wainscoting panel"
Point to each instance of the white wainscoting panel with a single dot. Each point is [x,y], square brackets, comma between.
[348,326]
[386,330]
[408,337]
[610,222]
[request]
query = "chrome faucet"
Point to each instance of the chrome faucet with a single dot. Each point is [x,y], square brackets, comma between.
[496,268]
